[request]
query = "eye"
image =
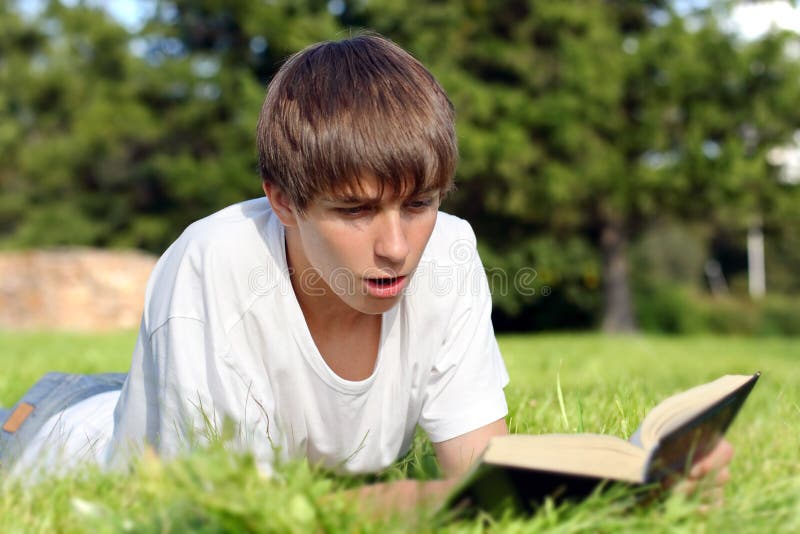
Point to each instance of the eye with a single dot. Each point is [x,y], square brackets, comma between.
[353,211]
[420,203]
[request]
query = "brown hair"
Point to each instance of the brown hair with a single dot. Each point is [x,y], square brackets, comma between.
[336,111]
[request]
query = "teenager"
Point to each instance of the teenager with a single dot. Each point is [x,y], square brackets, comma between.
[326,320]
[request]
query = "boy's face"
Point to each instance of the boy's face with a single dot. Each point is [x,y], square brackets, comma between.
[360,246]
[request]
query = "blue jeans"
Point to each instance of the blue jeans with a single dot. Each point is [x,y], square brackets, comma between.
[50,395]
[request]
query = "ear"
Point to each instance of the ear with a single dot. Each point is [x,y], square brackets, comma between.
[281,204]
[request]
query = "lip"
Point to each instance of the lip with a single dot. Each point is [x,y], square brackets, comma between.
[386,290]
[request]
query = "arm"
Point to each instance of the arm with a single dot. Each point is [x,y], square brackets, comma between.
[455,457]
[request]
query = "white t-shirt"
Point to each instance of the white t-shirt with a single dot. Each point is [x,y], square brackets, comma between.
[223,337]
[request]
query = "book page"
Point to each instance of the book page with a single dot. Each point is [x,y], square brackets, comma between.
[595,455]
[673,412]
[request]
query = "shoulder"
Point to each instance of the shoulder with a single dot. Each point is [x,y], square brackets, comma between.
[449,268]
[240,232]
[451,240]
[209,269]
[226,227]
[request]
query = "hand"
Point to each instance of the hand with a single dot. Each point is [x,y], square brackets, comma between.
[710,474]
[401,496]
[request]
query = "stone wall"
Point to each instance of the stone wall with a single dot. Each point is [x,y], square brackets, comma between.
[73,289]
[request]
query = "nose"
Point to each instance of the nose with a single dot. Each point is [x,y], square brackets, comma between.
[391,244]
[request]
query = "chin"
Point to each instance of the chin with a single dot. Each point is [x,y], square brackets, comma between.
[376,306]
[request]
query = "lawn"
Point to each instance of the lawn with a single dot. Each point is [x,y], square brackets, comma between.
[608,384]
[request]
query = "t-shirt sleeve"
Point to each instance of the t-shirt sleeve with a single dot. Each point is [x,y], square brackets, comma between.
[465,388]
[181,391]
[166,400]
[180,394]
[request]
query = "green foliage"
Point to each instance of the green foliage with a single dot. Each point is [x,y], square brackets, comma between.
[773,315]
[675,309]
[101,146]
[668,309]
[68,84]
[670,252]
[782,251]
[525,271]
[607,385]
[573,117]
[669,282]
[578,116]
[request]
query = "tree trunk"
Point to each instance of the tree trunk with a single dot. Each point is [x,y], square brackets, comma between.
[756,274]
[617,303]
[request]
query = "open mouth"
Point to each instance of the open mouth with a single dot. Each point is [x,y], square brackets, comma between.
[386,287]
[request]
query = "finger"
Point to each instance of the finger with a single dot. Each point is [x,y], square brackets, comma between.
[723,476]
[713,497]
[720,477]
[715,460]
[688,486]
[724,453]
[685,487]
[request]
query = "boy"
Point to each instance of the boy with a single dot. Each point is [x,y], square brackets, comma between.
[303,317]
[332,317]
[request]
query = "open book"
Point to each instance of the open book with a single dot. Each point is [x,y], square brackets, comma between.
[522,470]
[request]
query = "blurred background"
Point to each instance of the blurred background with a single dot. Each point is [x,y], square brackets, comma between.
[629,165]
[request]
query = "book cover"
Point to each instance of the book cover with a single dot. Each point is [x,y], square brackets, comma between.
[522,471]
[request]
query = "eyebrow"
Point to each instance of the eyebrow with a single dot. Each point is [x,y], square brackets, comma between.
[355,199]
[351,199]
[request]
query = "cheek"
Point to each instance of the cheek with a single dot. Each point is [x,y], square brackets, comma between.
[336,249]
[422,233]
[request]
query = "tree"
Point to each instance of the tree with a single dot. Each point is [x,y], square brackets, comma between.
[114,139]
[208,65]
[580,123]
[73,128]
[591,119]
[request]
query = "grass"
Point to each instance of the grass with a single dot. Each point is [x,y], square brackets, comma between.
[560,383]
[25,357]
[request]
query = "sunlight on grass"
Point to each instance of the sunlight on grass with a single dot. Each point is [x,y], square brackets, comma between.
[559,383]
[25,357]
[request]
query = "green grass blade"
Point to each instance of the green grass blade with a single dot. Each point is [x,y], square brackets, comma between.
[561,398]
